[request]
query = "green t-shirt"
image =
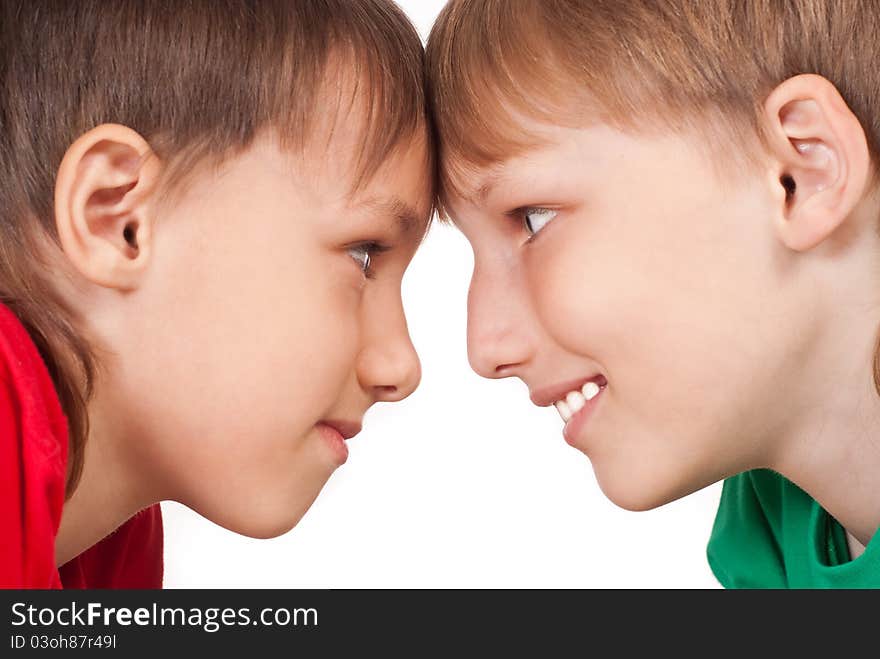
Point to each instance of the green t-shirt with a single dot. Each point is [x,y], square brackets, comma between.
[769,533]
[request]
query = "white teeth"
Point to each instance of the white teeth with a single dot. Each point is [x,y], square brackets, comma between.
[564,410]
[590,389]
[575,401]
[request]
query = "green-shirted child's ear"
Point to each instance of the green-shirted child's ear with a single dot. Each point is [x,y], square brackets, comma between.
[822,159]
[103,191]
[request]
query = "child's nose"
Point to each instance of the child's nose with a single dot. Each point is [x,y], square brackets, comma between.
[497,336]
[388,367]
[390,372]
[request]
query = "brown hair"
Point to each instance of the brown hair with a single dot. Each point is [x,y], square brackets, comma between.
[197,80]
[705,65]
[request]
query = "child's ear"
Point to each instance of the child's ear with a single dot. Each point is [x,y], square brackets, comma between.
[102,205]
[822,157]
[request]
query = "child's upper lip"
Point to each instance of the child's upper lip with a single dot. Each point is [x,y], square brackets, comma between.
[548,395]
[347,429]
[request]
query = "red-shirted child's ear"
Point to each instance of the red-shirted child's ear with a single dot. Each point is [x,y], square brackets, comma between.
[103,195]
[821,153]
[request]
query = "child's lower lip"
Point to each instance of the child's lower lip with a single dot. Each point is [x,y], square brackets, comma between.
[335,441]
[577,422]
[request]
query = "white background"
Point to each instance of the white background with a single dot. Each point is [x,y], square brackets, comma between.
[464,484]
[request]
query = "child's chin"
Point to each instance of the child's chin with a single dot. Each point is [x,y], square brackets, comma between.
[263,521]
[269,527]
[639,493]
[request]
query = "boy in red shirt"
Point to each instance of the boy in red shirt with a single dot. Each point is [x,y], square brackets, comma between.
[207,213]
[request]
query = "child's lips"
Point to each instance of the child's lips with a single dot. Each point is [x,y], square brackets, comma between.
[547,396]
[335,433]
[347,429]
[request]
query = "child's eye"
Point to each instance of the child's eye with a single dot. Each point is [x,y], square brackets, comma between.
[536,219]
[364,254]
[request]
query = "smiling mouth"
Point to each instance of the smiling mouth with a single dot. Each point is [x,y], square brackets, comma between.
[575,400]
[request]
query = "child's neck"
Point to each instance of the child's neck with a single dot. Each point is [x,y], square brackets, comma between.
[110,491]
[856,548]
[833,452]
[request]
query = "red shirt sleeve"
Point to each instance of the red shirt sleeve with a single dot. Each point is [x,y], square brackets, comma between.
[33,455]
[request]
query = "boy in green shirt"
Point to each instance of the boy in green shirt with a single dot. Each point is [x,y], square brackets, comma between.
[674,213]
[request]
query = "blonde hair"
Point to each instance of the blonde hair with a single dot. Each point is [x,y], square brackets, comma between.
[639,64]
[198,80]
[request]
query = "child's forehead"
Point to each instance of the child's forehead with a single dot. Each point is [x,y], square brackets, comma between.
[539,146]
[403,169]
[549,157]
[402,186]
[397,193]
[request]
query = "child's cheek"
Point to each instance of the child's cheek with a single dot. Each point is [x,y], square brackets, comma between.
[578,291]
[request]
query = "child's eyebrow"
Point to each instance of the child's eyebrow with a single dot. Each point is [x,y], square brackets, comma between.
[489,184]
[408,221]
[481,193]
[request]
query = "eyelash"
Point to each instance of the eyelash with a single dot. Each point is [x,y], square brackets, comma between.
[519,214]
[373,249]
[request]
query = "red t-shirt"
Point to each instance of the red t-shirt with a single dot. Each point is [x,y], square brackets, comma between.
[33,459]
